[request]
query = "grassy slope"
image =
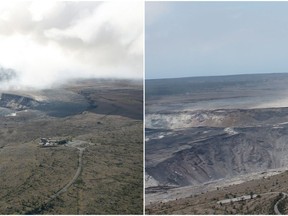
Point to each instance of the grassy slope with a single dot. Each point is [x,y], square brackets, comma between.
[111,181]
[206,203]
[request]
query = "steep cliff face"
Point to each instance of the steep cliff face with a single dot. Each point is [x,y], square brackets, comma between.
[206,132]
[54,102]
[199,154]
[17,102]
[215,118]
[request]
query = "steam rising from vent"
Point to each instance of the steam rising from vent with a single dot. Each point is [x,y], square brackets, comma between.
[51,42]
[7,74]
[8,78]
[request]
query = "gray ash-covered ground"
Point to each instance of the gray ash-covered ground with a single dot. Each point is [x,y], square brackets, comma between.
[200,130]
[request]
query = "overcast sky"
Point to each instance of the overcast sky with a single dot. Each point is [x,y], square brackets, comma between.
[185,39]
[47,41]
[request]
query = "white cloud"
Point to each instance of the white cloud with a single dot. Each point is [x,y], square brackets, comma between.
[54,41]
[39,9]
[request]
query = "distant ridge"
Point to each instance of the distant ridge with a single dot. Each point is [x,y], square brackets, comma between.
[216,76]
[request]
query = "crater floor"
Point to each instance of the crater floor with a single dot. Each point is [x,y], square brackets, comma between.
[205,130]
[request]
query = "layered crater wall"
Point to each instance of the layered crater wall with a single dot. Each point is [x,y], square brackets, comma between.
[197,156]
[215,118]
[212,129]
[54,102]
[17,102]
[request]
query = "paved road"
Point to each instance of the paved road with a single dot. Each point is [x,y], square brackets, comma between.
[64,189]
[40,209]
[276,210]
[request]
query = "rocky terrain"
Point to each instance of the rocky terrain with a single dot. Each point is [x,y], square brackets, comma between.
[102,174]
[228,198]
[198,155]
[190,145]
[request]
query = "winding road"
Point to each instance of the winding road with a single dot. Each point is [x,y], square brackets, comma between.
[79,169]
[276,210]
[45,205]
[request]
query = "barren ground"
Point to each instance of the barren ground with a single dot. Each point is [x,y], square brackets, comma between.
[214,138]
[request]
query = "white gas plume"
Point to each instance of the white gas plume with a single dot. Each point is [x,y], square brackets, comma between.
[50,42]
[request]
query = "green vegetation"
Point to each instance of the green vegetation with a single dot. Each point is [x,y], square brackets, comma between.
[111,180]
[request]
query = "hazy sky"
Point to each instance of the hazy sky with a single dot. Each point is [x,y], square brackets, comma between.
[215,38]
[47,41]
